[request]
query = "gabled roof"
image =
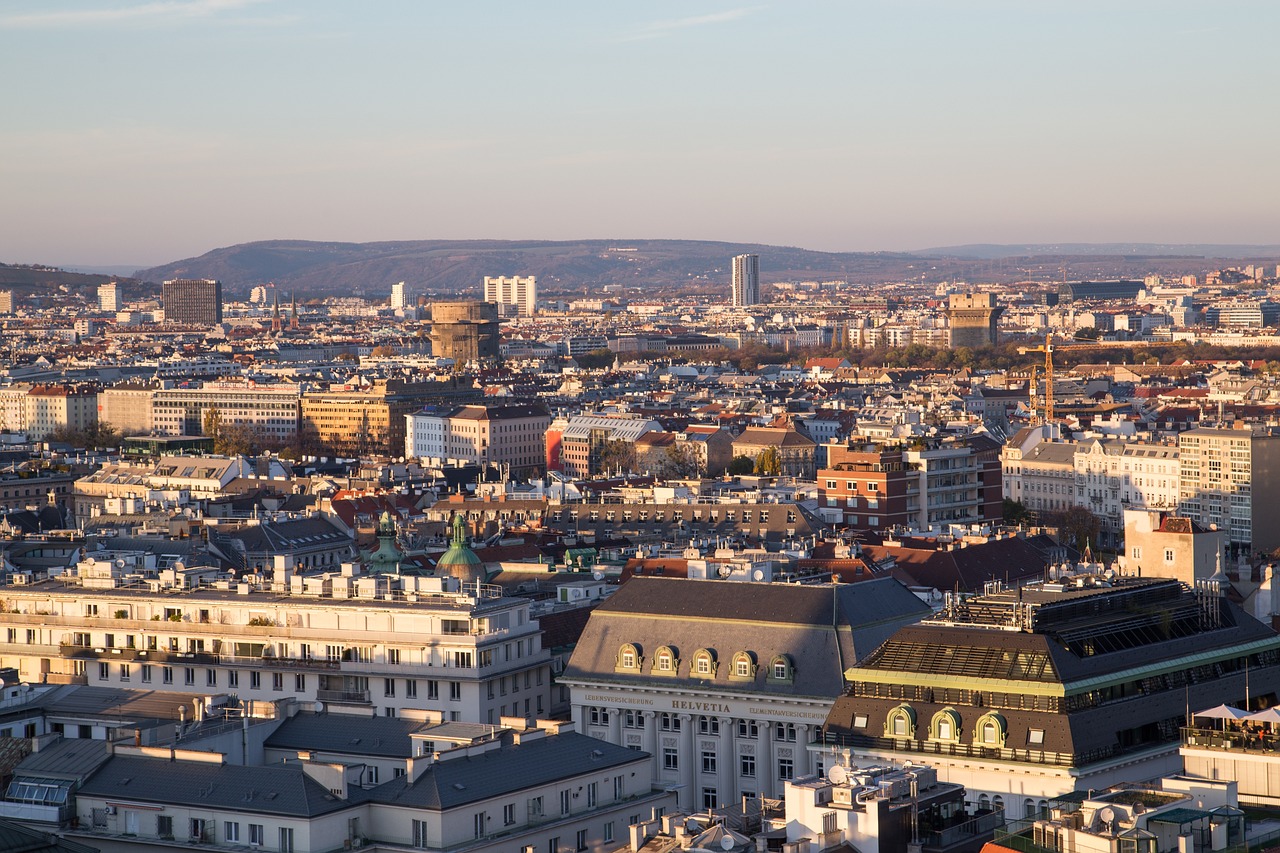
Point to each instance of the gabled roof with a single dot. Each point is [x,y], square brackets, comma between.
[279,790]
[458,781]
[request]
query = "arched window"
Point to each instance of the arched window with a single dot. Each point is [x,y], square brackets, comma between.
[997,803]
[744,666]
[704,663]
[900,722]
[628,658]
[665,660]
[781,669]
[1028,807]
[990,731]
[945,726]
[984,802]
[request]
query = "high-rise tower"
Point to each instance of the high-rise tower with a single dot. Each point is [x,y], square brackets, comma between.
[746,280]
[192,302]
[515,294]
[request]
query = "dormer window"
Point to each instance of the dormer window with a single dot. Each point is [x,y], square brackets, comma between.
[945,726]
[665,661]
[704,663]
[901,723]
[990,731]
[781,669]
[628,659]
[744,667]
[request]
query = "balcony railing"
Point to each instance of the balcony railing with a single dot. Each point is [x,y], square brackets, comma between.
[359,697]
[963,750]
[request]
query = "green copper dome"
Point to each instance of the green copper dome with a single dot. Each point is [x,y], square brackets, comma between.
[460,561]
[386,560]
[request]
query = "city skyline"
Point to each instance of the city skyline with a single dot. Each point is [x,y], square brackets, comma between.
[878,126]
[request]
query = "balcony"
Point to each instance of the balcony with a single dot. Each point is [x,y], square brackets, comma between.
[344,697]
[74,652]
[1231,740]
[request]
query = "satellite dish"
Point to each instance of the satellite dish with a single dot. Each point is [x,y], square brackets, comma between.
[727,843]
[838,775]
[318,707]
[1107,815]
[758,575]
[724,571]
[598,575]
[692,825]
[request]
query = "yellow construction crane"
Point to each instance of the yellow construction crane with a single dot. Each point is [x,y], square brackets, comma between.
[1047,349]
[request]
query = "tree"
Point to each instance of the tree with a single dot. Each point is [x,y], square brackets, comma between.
[1079,526]
[682,460]
[213,423]
[383,351]
[617,455]
[769,462]
[597,359]
[740,465]
[1015,512]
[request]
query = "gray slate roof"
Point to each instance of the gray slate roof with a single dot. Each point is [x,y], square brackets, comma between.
[385,737]
[459,781]
[279,790]
[823,629]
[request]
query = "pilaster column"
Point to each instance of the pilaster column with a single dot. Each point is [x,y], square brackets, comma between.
[689,758]
[726,769]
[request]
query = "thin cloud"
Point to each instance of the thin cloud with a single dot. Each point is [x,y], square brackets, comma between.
[154,12]
[658,29]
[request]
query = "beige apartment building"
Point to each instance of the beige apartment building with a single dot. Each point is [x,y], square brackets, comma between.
[371,643]
[1231,478]
[54,407]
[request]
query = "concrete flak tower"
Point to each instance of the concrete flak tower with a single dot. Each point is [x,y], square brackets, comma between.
[974,319]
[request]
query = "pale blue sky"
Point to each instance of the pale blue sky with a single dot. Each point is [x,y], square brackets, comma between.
[142,131]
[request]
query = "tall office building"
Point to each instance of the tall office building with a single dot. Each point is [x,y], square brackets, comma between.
[519,292]
[401,297]
[192,302]
[109,297]
[6,302]
[1228,478]
[746,280]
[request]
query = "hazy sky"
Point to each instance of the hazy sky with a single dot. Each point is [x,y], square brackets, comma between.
[143,131]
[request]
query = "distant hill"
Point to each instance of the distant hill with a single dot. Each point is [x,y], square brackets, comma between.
[452,266]
[992,251]
[38,280]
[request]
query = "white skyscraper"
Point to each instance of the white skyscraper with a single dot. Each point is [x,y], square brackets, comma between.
[109,297]
[746,280]
[518,291]
[400,296]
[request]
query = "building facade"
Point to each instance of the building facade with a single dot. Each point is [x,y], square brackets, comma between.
[464,331]
[192,302]
[1081,682]
[353,420]
[270,412]
[725,683]
[746,280]
[375,644]
[109,298]
[515,294]
[59,407]
[512,436]
[1231,478]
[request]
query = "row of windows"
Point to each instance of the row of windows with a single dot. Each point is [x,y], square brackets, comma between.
[703,664]
[710,759]
[707,725]
[991,729]
[146,674]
